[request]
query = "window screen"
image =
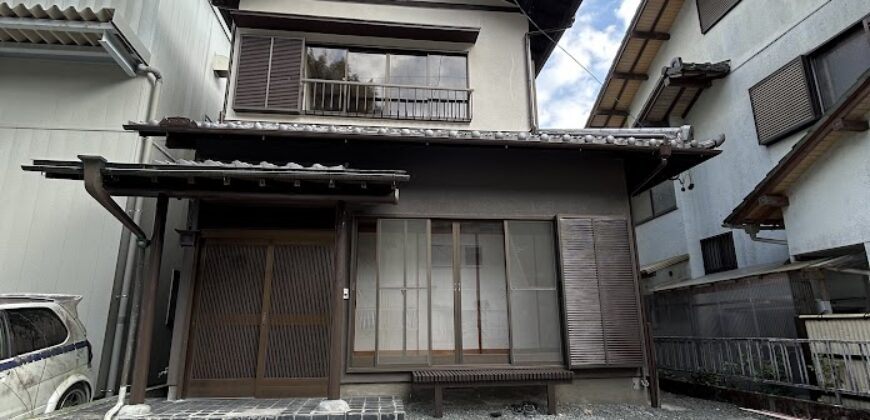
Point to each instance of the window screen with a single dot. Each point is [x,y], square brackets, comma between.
[718,252]
[33,329]
[784,102]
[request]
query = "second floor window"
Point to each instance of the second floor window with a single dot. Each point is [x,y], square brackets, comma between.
[400,85]
[654,202]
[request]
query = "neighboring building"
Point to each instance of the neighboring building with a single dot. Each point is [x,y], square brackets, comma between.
[68,82]
[778,78]
[307,273]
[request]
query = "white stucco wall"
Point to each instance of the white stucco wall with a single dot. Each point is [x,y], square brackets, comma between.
[497,61]
[830,205]
[54,238]
[663,237]
[758,36]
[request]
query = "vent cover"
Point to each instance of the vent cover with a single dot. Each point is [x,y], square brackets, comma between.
[784,102]
[712,11]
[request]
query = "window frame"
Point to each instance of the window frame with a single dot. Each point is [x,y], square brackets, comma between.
[656,215]
[352,283]
[388,52]
[862,25]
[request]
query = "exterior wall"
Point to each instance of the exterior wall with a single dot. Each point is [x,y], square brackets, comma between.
[662,238]
[54,237]
[497,62]
[786,30]
[841,177]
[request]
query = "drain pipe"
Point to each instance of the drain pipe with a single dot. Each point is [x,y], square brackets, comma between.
[752,231]
[134,251]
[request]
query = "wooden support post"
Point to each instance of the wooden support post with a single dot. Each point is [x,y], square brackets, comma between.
[551,399]
[333,390]
[146,310]
[439,401]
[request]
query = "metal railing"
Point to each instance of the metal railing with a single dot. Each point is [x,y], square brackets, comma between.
[839,367]
[374,100]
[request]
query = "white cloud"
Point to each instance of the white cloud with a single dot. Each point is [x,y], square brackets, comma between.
[626,11]
[566,92]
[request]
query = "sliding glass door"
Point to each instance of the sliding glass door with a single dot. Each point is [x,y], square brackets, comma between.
[446,292]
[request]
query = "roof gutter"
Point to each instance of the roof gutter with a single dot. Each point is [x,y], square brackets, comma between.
[752,231]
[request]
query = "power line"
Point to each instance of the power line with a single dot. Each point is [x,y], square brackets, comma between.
[586,69]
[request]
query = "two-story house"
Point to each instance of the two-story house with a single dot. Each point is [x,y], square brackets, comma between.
[376,201]
[71,73]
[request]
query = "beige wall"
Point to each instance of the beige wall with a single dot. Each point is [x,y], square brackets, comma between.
[497,62]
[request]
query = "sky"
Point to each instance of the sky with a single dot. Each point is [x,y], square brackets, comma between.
[566,92]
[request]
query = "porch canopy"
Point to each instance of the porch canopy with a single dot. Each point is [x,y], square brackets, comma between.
[651,155]
[262,183]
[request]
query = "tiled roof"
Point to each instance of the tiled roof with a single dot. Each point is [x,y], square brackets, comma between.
[637,139]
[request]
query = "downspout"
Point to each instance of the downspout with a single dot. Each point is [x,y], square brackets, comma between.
[531,88]
[134,252]
[664,155]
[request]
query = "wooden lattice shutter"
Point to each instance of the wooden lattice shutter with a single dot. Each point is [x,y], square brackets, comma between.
[602,317]
[784,102]
[711,11]
[269,74]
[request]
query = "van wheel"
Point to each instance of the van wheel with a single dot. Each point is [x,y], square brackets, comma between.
[76,395]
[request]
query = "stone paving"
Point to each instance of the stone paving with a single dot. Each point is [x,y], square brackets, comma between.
[361,408]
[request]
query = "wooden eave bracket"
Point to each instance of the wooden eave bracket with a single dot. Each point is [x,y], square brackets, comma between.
[657,36]
[773,200]
[92,172]
[843,124]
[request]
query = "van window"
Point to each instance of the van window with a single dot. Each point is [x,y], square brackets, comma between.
[34,329]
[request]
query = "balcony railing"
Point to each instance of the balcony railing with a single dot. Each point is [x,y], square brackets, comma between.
[373,100]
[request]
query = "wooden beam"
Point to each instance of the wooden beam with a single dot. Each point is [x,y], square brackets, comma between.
[144,333]
[849,125]
[658,36]
[612,112]
[773,200]
[630,76]
[701,84]
[341,260]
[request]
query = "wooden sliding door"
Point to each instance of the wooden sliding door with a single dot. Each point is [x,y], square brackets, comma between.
[260,324]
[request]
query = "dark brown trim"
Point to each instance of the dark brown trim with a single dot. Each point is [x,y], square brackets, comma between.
[340,258]
[658,36]
[437,5]
[144,333]
[353,27]
[630,76]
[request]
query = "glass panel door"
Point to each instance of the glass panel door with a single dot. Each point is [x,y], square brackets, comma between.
[536,331]
[443,290]
[403,298]
[483,293]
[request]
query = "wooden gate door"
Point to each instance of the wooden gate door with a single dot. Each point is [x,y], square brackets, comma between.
[260,323]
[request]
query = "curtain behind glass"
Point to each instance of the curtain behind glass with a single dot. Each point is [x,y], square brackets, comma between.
[535,327]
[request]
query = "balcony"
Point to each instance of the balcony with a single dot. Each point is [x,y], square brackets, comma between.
[387,101]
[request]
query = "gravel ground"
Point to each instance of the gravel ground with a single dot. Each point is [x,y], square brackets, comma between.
[469,404]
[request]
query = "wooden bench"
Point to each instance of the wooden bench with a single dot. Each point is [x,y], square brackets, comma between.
[482,377]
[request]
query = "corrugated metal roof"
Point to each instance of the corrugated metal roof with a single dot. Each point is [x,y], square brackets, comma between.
[52,31]
[656,266]
[766,269]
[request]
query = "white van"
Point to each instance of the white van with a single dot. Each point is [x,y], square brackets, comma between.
[45,356]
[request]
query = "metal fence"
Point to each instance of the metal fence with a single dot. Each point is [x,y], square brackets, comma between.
[839,367]
[356,99]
